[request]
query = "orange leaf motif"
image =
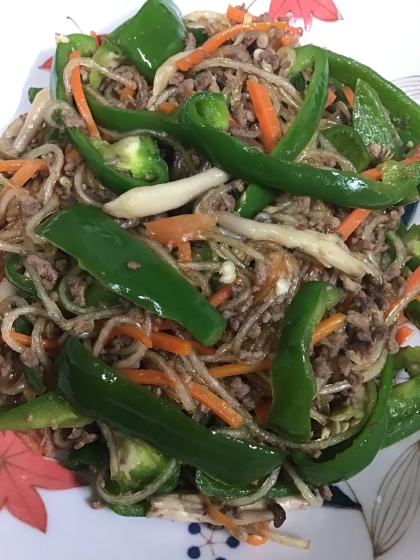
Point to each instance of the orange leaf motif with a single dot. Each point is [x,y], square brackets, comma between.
[21,473]
[324,10]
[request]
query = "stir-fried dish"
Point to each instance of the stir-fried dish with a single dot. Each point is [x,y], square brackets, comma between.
[206,271]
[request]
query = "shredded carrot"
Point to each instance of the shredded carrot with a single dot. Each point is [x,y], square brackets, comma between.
[166,107]
[328,326]
[164,325]
[186,227]
[278,267]
[221,295]
[132,331]
[70,155]
[26,340]
[13,165]
[266,115]
[80,99]
[233,123]
[205,50]
[262,409]
[402,318]
[126,92]
[403,334]
[376,172]
[202,350]
[184,251]
[171,343]
[235,14]
[412,281]
[349,94]
[288,39]
[94,35]
[28,170]
[239,369]
[352,222]
[197,391]
[330,98]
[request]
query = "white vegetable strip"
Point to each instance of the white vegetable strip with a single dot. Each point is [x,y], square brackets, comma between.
[165,72]
[323,247]
[34,120]
[146,201]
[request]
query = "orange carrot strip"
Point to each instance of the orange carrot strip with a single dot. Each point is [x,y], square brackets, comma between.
[403,334]
[13,165]
[127,91]
[186,227]
[349,94]
[262,409]
[171,343]
[376,172]
[278,266]
[164,325]
[402,318]
[197,391]
[330,98]
[202,350]
[221,296]
[166,107]
[288,39]
[239,369]
[184,251]
[134,332]
[94,35]
[256,540]
[80,99]
[328,326]
[235,14]
[27,171]
[352,222]
[205,50]
[26,340]
[266,115]
[412,280]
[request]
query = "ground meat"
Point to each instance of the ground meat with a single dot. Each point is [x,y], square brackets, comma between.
[250,37]
[249,357]
[260,272]
[254,332]
[391,272]
[224,203]
[77,287]
[321,368]
[190,42]
[45,269]
[6,364]
[81,437]
[186,86]
[238,185]
[241,54]
[238,388]
[60,265]
[204,80]
[269,56]
[132,265]
[242,115]
[359,320]
[335,342]
[74,121]
[29,358]
[176,79]
[273,314]
[29,205]
[82,326]
[345,365]
[304,204]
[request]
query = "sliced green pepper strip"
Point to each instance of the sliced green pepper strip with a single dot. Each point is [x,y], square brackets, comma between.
[124,120]
[95,453]
[33,377]
[348,71]
[134,510]
[404,411]
[154,34]
[97,390]
[43,412]
[13,268]
[300,131]
[363,448]
[103,249]
[97,295]
[339,187]
[412,312]
[32,93]
[114,180]
[292,377]
[372,122]
[408,358]
[199,35]
[109,56]
[348,142]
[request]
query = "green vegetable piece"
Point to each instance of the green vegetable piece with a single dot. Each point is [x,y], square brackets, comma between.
[52,135]
[298,81]
[14,269]
[84,43]
[33,92]
[134,510]
[139,156]
[110,56]
[372,121]
[103,249]
[43,412]
[408,358]
[23,325]
[154,34]
[97,295]
[411,240]
[110,177]
[404,411]
[338,187]
[216,114]
[292,377]
[95,453]
[412,264]
[33,377]
[412,312]
[361,450]
[104,394]
[124,120]
[199,35]
[348,142]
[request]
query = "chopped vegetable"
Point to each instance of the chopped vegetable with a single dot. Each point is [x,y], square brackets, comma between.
[134,332]
[221,296]
[184,251]
[330,99]
[127,92]
[171,343]
[267,118]
[26,340]
[186,227]
[166,107]
[239,369]
[403,334]
[408,358]
[327,327]
[349,93]
[352,222]
[80,99]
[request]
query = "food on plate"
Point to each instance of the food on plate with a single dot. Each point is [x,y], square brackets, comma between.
[207,272]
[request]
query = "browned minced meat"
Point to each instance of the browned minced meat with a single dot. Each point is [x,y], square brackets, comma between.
[74,121]
[260,272]
[6,364]
[224,203]
[77,287]
[29,358]
[82,437]
[177,79]
[29,205]
[243,115]
[132,265]
[240,390]
[45,269]
[190,42]
[83,325]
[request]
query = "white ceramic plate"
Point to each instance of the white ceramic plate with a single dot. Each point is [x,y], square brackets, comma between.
[36,523]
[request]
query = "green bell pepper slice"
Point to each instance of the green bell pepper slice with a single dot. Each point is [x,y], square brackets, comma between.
[412,312]
[109,56]
[338,187]
[13,268]
[372,121]
[348,142]
[115,180]
[300,132]
[292,377]
[404,411]
[125,120]
[362,449]
[95,389]
[77,41]
[408,358]
[43,412]
[32,93]
[95,453]
[103,249]
[154,34]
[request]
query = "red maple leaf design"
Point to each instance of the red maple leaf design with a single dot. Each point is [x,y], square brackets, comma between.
[21,472]
[325,10]
[47,65]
